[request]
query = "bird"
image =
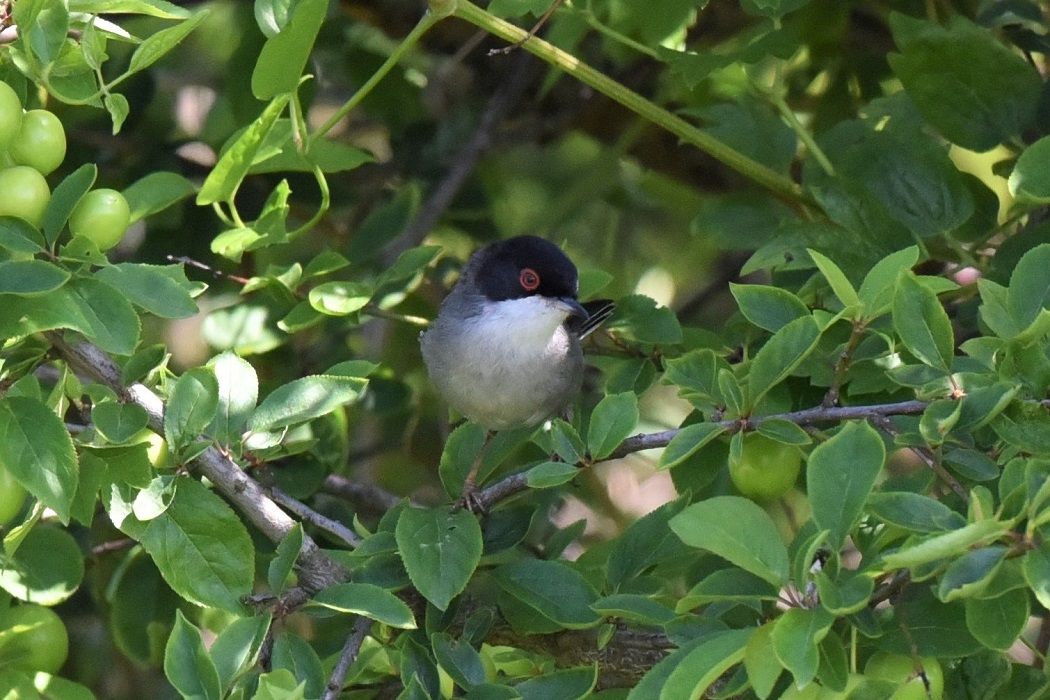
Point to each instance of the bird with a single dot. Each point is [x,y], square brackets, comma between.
[504,350]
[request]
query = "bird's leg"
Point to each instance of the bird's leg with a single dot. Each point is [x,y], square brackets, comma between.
[468,496]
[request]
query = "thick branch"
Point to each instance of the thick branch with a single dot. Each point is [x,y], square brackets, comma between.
[316,570]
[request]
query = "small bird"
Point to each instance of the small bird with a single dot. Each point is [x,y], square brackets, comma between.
[504,350]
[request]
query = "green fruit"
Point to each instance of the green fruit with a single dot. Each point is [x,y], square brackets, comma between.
[25,194]
[12,496]
[900,670]
[10,115]
[102,216]
[40,142]
[765,469]
[33,638]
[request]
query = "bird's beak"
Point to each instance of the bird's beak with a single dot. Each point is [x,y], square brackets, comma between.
[573,307]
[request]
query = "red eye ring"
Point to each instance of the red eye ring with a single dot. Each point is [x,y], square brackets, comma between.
[529,279]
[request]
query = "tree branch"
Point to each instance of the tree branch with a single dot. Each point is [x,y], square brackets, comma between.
[316,570]
[515,483]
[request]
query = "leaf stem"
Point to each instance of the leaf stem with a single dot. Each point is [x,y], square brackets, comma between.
[780,185]
[428,20]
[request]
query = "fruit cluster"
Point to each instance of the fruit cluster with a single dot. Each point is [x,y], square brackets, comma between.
[32,145]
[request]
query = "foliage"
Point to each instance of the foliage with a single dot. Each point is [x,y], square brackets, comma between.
[848,202]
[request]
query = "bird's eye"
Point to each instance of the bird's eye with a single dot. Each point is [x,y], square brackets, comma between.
[529,279]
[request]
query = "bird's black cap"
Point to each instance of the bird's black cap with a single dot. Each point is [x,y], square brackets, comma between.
[524,266]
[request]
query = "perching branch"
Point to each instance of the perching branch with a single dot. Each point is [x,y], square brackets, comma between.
[516,483]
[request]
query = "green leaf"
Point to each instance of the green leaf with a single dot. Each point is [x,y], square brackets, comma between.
[19,236]
[44,27]
[238,391]
[156,192]
[734,585]
[283,57]
[191,407]
[922,323]
[440,549]
[366,599]
[840,474]
[30,277]
[36,448]
[150,8]
[970,574]
[187,664]
[975,90]
[847,594]
[633,607]
[914,512]
[705,664]
[612,421]
[460,660]
[774,9]
[876,291]
[566,684]
[1029,287]
[1030,179]
[64,197]
[783,430]
[304,399]
[998,622]
[47,568]
[759,658]
[796,636]
[293,653]
[781,355]
[769,308]
[553,589]
[282,566]
[236,161]
[549,474]
[840,285]
[237,647]
[645,543]
[947,545]
[118,422]
[199,565]
[737,530]
[340,298]
[151,288]
[86,305]
[156,45]
[696,376]
[280,684]
[688,442]
[639,318]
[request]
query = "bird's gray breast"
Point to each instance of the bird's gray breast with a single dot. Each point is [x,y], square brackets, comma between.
[501,374]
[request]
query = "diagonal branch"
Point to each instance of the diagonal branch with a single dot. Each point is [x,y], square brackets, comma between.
[316,570]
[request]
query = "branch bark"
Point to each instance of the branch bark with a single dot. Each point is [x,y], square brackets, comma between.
[316,570]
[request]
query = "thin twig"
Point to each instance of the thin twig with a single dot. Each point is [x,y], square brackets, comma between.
[361,496]
[884,424]
[307,514]
[842,366]
[464,162]
[346,658]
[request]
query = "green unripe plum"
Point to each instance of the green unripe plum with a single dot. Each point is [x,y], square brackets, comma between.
[102,216]
[40,142]
[900,670]
[25,194]
[38,639]
[10,115]
[765,468]
[12,496]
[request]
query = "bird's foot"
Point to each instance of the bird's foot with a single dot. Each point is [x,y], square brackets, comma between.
[470,499]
